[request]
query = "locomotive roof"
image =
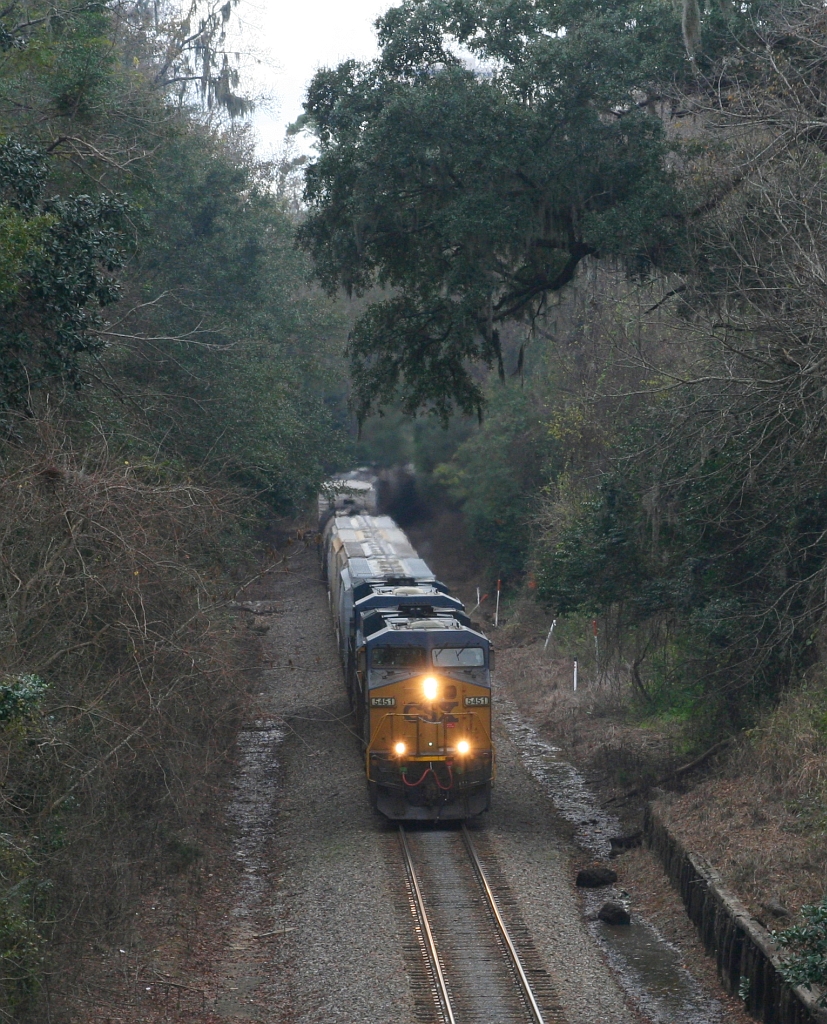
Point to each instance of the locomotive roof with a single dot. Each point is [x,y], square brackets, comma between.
[404,598]
[396,628]
[402,634]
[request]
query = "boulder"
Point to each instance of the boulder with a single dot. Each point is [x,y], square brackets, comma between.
[614,913]
[592,878]
[776,909]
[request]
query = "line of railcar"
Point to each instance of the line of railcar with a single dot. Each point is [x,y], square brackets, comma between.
[418,672]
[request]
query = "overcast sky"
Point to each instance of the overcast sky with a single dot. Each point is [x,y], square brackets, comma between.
[292,39]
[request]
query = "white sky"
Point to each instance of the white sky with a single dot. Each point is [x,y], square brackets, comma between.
[292,40]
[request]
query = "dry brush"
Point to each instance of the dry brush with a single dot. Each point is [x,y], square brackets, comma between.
[120,689]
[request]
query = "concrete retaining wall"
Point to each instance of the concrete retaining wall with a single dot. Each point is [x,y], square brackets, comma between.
[741,946]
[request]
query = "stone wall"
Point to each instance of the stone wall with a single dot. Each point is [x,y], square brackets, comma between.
[741,946]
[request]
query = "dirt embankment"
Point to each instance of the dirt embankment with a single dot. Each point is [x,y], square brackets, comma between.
[754,809]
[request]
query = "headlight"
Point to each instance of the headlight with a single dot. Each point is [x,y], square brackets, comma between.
[430,687]
[399,749]
[463,747]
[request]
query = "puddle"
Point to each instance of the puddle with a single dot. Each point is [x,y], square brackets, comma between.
[562,782]
[648,966]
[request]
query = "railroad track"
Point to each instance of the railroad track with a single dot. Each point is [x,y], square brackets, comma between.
[475,971]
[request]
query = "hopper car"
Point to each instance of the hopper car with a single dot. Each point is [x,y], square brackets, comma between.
[417,670]
[348,492]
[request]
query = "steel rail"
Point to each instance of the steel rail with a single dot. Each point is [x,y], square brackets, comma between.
[506,938]
[430,944]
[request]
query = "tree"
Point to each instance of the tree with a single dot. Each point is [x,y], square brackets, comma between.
[707,537]
[472,191]
[57,269]
[230,356]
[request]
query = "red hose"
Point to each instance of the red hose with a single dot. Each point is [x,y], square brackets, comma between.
[420,780]
[424,776]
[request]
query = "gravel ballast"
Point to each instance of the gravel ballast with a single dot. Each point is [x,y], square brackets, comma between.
[321,930]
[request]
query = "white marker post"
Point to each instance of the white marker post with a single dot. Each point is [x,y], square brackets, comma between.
[575,675]
[551,630]
[497,611]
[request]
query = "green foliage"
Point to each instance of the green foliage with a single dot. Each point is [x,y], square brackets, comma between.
[725,563]
[224,321]
[145,248]
[495,474]
[58,259]
[807,943]
[475,194]
[435,443]
[386,440]
[81,65]
[20,696]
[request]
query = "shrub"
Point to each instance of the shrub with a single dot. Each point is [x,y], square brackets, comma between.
[807,964]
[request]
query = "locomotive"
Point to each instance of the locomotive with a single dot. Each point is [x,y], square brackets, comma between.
[418,673]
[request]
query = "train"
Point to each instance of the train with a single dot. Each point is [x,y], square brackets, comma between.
[417,669]
[356,490]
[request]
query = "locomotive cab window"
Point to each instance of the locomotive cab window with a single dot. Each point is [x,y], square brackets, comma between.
[397,657]
[458,657]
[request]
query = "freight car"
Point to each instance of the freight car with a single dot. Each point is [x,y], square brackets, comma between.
[418,673]
[348,492]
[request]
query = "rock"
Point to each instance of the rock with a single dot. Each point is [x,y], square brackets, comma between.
[255,607]
[776,909]
[621,843]
[592,878]
[614,913]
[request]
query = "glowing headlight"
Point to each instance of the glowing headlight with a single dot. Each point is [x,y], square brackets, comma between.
[463,747]
[429,687]
[399,749]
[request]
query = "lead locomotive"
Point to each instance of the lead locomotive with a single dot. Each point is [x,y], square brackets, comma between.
[418,673]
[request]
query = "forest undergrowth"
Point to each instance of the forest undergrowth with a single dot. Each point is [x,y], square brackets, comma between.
[122,690]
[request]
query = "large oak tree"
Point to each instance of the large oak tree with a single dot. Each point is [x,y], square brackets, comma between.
[472,166]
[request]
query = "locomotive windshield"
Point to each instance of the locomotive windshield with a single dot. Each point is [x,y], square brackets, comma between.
[458,657]
[397,657]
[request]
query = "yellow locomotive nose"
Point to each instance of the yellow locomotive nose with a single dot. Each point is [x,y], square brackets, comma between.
[430,687]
